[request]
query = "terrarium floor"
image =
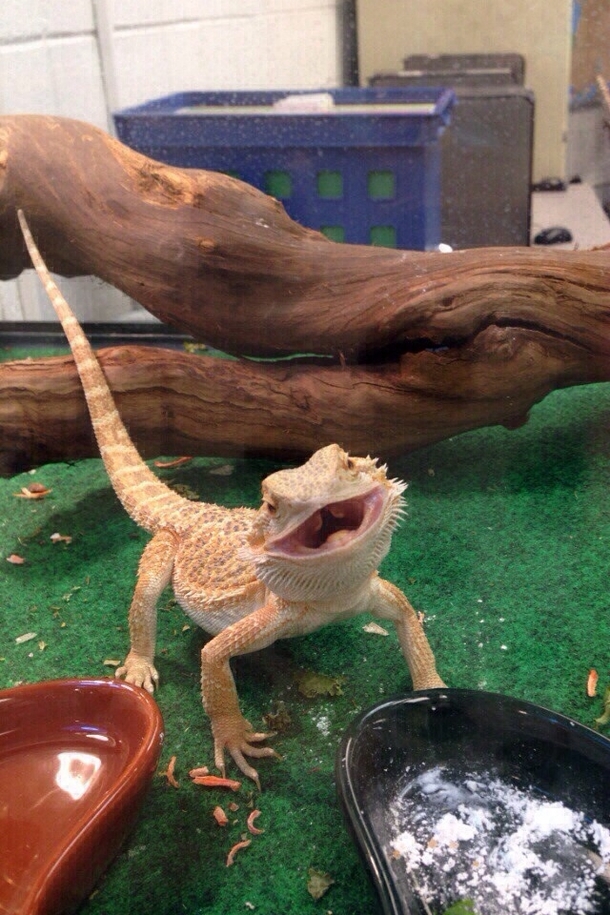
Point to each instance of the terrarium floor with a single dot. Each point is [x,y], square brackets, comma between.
[505,549]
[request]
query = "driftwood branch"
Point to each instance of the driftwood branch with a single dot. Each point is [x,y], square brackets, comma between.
[176,403]
[420,346]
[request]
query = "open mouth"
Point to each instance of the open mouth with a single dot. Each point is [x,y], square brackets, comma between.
[333,526]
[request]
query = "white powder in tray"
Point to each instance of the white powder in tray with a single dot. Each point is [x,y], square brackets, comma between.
[509,850]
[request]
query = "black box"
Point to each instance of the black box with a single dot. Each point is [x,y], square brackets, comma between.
[465,69]
[486,161]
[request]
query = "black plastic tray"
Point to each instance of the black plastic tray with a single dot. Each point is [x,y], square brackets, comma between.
[523,743]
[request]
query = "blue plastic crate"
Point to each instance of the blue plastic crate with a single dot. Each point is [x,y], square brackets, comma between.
[365,171]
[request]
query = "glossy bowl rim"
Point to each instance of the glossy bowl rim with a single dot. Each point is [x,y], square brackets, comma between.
[132,780]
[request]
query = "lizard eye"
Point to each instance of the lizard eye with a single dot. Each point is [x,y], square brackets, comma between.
[351,465]
[271,508]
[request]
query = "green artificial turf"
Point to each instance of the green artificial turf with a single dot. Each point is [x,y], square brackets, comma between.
[505,548]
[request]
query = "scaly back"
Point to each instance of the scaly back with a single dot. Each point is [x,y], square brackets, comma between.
[146,499]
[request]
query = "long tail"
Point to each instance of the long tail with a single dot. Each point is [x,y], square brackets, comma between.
[146,499]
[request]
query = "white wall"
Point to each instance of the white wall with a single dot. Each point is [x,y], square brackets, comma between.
[84,58]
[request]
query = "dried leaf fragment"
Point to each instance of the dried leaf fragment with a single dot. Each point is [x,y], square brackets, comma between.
[312,684]
[278,720]
[318,882]
[237,847]
[592,683]
[15,559]
[605,716]
[111,662]
[195,347]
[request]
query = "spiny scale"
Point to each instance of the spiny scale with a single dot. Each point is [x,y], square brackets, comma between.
[145,498]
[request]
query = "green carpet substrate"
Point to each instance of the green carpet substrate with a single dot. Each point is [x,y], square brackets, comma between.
[505,549]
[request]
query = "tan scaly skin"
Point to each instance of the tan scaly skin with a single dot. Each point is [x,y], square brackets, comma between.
[307,557]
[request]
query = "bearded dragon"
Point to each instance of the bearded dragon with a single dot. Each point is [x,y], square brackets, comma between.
[307,557]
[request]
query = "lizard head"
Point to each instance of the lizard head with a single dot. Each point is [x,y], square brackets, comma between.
[325,526]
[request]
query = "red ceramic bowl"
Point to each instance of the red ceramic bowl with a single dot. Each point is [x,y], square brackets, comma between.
[76,757]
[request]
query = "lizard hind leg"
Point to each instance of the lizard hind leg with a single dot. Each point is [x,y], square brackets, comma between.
[154,574]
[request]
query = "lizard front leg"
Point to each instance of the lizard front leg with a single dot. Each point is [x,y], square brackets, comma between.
[230,729]
[390,603]
[154,573]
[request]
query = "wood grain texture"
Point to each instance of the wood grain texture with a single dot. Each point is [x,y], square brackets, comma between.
[418,346]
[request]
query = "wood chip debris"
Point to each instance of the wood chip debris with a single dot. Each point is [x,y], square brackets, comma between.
[375,629]
[176,462]
[15,560]
[26,637]
[111,662]
[60,538]
[33,491]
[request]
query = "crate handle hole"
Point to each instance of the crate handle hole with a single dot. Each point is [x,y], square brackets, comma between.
[384,236]
[329,184]
[381,185]
[278,184]
[335,233]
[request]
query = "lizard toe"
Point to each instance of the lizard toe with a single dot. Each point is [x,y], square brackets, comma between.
[257,737]
[237,738]
[260,752]
[139,672]
[244,766]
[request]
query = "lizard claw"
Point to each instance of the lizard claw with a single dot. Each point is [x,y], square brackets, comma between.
[237,737]
[139,671]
